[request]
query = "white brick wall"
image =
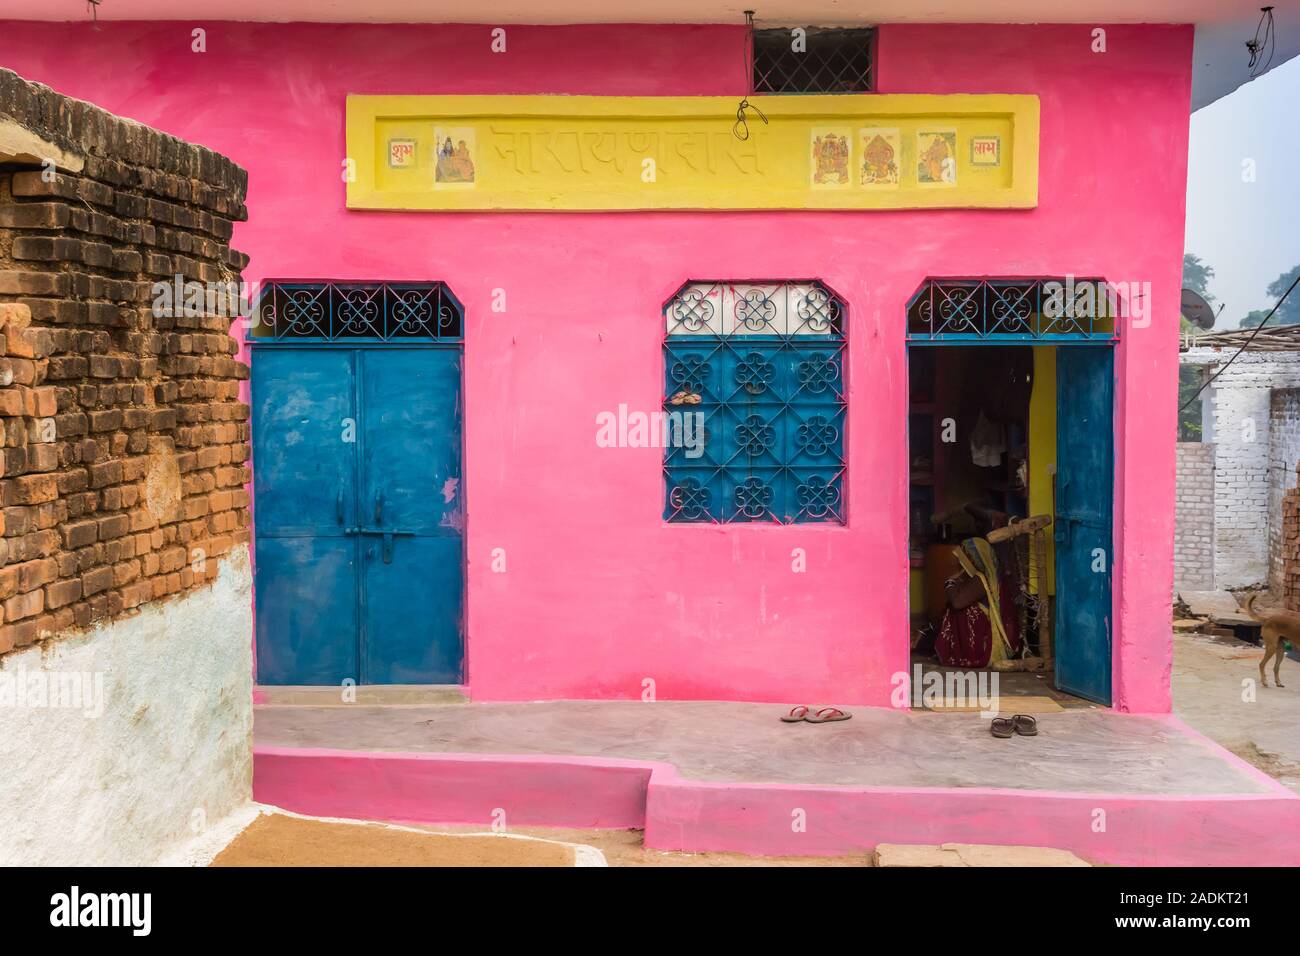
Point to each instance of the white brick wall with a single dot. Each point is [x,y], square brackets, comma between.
[1194,518]
[1241,401]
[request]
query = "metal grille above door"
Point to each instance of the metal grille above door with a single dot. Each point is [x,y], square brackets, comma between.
[1014,310]
[374,311]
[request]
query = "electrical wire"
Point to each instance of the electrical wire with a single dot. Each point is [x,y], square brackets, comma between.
[1260,44]
[741,127]
[1251,338]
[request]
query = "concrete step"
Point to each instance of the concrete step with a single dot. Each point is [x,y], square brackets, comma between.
[385,695]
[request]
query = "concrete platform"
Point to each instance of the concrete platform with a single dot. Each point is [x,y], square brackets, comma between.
[712,776]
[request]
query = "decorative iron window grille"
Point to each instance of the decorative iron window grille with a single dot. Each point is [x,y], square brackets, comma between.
[1014,310]
[828,60]
[374,311]
[760,366]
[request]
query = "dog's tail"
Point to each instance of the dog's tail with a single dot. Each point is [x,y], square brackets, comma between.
[1249,607]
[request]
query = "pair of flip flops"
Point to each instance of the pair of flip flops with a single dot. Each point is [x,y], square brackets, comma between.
[1021,724]
[824,715]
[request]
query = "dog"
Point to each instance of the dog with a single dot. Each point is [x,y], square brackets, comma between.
[1278,626]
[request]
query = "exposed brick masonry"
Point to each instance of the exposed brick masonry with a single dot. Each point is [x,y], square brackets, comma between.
[1194,518]
[125,451]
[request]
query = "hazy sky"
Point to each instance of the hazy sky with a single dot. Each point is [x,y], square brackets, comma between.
[1249,232]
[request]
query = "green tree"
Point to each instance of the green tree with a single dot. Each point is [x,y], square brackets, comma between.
[1288,313]
[1190,378]
[1196,276]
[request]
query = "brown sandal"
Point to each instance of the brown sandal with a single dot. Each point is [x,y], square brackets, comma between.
[797,714]
[1002,727]
[828,715]
[1025,725]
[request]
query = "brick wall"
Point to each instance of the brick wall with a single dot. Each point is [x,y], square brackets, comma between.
[1289,584]
[1241,399]
[125,442]
[1283,454]
[1194,517]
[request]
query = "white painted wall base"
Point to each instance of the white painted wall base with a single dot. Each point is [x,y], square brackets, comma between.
[158,744]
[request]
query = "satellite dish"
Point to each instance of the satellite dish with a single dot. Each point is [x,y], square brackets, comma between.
[1197,310]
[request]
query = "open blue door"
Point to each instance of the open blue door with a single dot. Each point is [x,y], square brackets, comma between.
[1084,484]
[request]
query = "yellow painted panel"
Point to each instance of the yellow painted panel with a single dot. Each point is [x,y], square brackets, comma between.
[916,591]
[1042,452]
[882,151]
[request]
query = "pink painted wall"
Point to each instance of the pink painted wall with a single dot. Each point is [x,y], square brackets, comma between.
[600,594]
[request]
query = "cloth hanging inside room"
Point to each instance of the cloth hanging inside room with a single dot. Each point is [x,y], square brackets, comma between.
[988,442]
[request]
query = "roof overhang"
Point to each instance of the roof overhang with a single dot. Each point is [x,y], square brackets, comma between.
[1222,26]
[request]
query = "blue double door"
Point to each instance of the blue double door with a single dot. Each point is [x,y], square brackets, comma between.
[358,514]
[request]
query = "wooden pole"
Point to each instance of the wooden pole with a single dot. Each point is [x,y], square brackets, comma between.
[1044,601]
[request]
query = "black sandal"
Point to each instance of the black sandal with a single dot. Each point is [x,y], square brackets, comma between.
[1025,725]
[828,715]
[1002,727]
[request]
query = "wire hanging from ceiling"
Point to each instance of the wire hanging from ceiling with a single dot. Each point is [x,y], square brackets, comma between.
[1262,45]
[741,127]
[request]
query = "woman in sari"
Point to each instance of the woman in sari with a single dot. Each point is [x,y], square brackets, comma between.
[984,632]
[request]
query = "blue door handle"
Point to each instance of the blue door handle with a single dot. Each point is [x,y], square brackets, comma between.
[1065,524]
[379,507]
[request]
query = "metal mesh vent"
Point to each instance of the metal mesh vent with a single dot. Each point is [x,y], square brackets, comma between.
[378,311]
[827,61]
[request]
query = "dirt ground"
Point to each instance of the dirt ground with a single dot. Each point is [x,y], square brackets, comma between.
[280,840]
[623,848]
[1216,690]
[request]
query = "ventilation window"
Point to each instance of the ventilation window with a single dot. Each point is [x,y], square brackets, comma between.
[375,311]
[1015,310]
[754,388]
[818,61]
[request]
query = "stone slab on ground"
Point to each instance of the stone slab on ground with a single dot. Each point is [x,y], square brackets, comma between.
[1219,606]
[972,854]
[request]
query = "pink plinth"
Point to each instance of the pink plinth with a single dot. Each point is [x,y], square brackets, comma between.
[760,819]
